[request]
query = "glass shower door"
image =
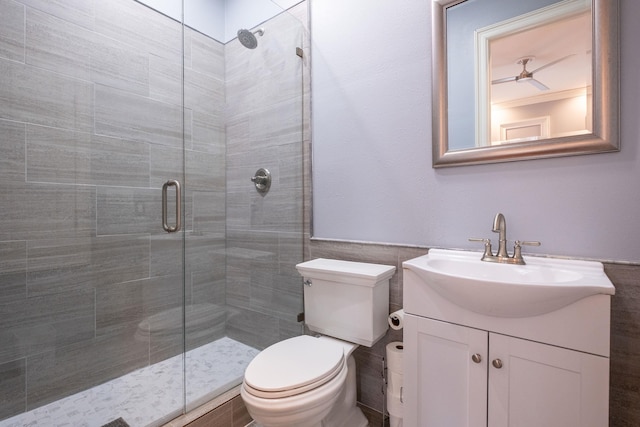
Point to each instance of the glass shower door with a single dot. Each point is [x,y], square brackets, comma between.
[91,286]
[242,245]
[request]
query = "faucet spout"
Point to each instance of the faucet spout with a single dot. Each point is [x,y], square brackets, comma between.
[500,226]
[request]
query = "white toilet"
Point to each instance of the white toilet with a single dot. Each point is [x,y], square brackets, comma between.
[310,381]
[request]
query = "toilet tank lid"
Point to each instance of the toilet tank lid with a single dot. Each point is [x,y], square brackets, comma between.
[326,268]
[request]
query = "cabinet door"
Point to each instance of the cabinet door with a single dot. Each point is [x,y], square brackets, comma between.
[542,385]
[445,387]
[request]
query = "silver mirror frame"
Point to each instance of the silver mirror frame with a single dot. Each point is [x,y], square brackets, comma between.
[605,136]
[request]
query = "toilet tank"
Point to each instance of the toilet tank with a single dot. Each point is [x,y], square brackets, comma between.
[346,300]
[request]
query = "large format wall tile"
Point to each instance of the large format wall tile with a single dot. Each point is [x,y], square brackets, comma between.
[122,307]
[255,282]
[11,222]
[12,30]
[59,210]
[256,329]
[66,48]
[13,393]
[58,45]
[30,94]
[12,146]
[13,286]
[13,268]
[56,155]
[200,250]
[40,211]
[268,127]
[79,12]
[209,286]
[120,66]
[129,116]
[69,369]
[277,211]
[135,24]
[206,54]
[203,92]
[209,208]
[208,133]
[165,254]
[60,265]
[43,323]
[165,80]
[126,210]
[204,171]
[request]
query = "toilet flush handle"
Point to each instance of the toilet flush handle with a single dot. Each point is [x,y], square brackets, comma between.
[308,283]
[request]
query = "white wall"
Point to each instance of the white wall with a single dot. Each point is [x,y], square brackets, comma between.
[372,174]
[206,16]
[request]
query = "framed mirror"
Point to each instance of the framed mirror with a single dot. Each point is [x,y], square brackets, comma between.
[523,80]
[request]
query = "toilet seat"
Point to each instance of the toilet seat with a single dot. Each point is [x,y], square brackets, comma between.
[294,366]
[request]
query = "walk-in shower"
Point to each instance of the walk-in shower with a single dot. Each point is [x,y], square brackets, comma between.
[105,313]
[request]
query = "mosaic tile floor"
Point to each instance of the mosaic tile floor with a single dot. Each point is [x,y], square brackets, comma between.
[149,396]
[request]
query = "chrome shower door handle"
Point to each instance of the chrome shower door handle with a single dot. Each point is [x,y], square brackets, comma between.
[167,227]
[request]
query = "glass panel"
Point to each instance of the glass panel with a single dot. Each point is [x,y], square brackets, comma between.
[101,103]
[241,245]
[91,287]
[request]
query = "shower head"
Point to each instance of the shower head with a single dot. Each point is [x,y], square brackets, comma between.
[248,38]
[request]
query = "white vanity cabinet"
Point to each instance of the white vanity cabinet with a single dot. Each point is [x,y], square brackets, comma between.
[466,366]
[467,377]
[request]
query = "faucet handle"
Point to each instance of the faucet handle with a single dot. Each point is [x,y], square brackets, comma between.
[517,247]
[487,246]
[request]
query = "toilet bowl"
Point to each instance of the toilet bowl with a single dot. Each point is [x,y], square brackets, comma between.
[310,381]
[304,382]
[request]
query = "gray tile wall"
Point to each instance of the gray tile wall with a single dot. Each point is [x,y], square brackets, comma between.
[91,125]
[264,231]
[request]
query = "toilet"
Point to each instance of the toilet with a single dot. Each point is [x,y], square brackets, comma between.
[310,381]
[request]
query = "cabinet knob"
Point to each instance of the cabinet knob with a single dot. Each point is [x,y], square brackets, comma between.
[476,358]
[497,363]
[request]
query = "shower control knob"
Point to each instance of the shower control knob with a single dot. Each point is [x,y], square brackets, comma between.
[477,358]
[262,180]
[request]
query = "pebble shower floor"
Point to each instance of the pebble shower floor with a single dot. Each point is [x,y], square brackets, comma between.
[149,396]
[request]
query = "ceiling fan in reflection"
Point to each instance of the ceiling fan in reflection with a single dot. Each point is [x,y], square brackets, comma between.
[527,76]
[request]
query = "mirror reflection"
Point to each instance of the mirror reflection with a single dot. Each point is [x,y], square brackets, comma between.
[516,80]
[539,76]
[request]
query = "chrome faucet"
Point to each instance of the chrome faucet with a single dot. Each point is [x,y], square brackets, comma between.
[500,226]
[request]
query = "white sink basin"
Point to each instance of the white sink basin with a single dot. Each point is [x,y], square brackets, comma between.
[505,290]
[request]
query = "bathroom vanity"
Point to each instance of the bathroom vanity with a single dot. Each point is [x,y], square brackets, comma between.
[489,345]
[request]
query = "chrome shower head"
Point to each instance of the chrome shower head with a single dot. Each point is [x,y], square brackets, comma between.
[248,38]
